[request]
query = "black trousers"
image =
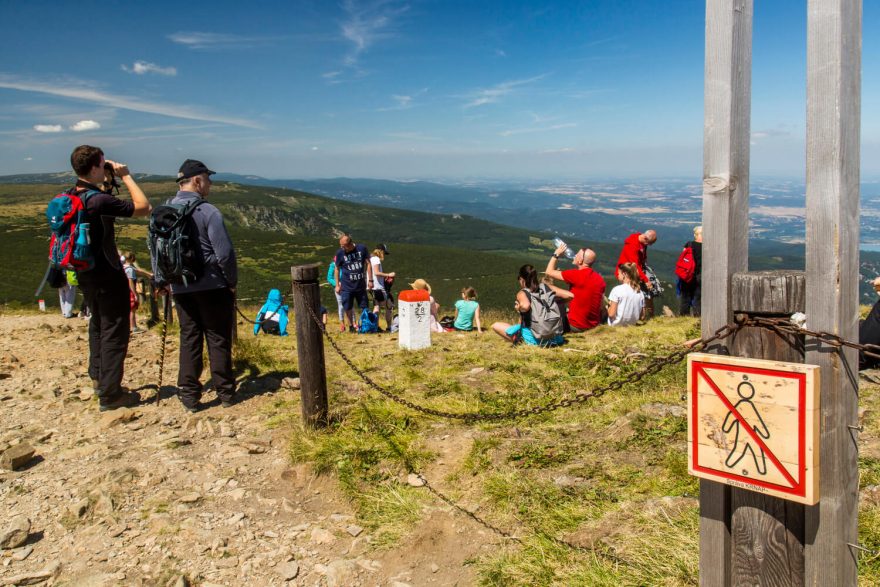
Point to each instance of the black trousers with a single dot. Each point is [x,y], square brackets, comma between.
[107,300]
[205,316]
[690,298]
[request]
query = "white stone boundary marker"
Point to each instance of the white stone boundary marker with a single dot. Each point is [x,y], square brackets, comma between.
[414,313]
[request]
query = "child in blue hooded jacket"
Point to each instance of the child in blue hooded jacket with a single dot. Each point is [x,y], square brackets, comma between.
[272,318]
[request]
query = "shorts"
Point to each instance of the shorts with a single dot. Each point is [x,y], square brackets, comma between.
[527,336]
[349,298]
[380,296]
[133,301]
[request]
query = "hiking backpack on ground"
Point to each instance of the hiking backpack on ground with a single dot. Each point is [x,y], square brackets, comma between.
[686,266]
[174,244]
[70,245]
[546,318]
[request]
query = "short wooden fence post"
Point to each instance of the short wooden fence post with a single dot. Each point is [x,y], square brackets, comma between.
[310,345]
[766,532]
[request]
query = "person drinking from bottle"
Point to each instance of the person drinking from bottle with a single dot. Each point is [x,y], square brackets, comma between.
[587,287]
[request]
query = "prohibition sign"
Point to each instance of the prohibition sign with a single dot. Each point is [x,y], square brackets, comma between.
[752,423]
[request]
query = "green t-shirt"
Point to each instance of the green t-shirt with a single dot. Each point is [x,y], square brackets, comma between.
[466,310]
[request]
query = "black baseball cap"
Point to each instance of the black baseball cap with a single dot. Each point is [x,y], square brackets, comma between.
[192,168]
[384,248]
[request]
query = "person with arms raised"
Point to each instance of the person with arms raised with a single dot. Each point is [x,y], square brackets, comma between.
[587,287]
[105,287]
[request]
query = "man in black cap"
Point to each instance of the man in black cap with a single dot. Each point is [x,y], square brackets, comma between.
[206,307]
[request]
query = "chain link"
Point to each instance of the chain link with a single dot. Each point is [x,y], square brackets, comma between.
[785,326]
[655,366]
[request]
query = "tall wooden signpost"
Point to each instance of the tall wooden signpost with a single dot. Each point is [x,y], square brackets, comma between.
[748,537]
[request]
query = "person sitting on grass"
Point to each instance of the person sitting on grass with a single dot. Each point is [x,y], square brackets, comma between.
[627,300]
[435,307]
[529,288]
[467,311]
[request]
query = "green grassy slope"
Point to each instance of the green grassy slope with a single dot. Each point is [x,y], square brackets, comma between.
[274,228]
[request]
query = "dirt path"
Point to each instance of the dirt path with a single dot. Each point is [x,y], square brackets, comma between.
[156,496]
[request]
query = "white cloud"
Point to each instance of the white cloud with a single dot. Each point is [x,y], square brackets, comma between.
[314,148]
[531,129]
[144,67]
[560,150]
[84,125]
[404,102]
[48,128]
[86,93]
[495,93]
[28,158]
[366,23]
[218,41]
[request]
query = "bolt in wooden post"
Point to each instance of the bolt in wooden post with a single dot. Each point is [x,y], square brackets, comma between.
[309,345]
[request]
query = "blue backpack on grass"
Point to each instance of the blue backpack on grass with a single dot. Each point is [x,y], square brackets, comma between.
[369,322]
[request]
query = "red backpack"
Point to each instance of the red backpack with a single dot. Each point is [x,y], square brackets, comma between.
[686,267]
[69,247]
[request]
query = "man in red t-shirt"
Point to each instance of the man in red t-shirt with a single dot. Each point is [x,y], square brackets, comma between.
[588,287]
[635,250]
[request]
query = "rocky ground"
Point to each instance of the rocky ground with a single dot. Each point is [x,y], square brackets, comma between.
[156,496]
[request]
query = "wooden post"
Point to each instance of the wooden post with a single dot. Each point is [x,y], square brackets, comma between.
[766,533]
[834,42]
[310,345]
[725,222]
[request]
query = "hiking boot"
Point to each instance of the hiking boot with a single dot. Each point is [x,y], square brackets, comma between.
[193,409]
[228,403]
[125,399]
[352,329]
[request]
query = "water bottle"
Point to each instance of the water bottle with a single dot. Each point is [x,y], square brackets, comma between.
[81,249]
[558,242]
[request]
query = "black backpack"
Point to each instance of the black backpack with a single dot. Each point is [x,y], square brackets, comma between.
[174,244]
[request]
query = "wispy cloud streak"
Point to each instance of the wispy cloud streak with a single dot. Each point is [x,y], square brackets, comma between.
[367,23]
[495,93]
[145,67]
[80,91]
[531,129]
[217,41]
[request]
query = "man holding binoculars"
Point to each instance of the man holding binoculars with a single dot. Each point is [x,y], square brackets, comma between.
[105,287]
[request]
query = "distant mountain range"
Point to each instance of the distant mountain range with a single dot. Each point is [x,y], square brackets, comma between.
[507,219]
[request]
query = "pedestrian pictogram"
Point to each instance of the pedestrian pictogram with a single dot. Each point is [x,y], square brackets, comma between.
[752,424]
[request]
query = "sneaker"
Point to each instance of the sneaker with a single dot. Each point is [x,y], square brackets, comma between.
[137,330]
[126,399]
[342,328]
[228,403]
[352,329]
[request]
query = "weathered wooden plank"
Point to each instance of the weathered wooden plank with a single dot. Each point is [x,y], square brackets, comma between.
[834,37]
[309,345]
[725,221]
[780,291]
[767,533]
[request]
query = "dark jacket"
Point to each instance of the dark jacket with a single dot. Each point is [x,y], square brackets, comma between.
[221,269]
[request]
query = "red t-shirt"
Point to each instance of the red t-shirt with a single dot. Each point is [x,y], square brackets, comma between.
[584,311]
[634,252]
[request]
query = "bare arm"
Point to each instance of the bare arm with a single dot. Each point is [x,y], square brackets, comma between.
[142,205]
[551,264]
[477,319]
[523,303]
[336,278]
[612,311]
[562,294]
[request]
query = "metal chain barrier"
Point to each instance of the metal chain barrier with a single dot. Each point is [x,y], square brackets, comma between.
[655,366]
[786,326]
[240,313]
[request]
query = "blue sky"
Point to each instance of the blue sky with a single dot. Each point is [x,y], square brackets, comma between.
[392,89]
